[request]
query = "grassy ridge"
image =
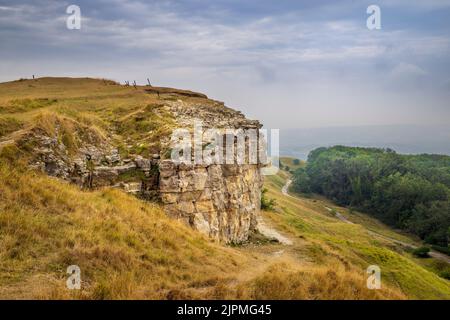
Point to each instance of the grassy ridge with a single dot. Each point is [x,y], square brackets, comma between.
[132,119]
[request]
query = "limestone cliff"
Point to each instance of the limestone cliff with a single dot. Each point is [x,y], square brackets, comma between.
[219,200]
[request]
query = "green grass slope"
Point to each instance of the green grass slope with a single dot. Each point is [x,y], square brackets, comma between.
[328,240]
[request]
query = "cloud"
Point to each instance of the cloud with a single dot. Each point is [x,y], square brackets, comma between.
[405,71]
[417,4]
[3,8]
[316,61]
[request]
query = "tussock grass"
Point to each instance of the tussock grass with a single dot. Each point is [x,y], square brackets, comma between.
[69,132]
[312,283]
[134,119]
[8,125]
[146,127]
[24,105]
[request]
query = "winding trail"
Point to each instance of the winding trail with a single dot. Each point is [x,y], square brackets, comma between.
[339,216]
[285,188]
[270,232]
[432,253]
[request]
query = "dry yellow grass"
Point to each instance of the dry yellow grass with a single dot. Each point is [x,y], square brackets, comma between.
[126,248]
[312,283]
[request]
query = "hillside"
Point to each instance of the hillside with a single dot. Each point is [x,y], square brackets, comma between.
[126,245]
[409,192]
[327,240]
[291,163]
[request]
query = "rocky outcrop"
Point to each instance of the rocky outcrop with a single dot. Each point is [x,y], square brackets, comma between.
[219,200]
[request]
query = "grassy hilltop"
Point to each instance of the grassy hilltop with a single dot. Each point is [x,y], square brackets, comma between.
[127,248]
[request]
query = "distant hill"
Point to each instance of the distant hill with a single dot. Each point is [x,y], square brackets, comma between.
[291,163]
[410,139]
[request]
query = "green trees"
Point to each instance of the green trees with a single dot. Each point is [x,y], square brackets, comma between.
[429,222]
[301,182]
[405,191]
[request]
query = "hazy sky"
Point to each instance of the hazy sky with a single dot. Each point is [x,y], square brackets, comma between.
[288,63]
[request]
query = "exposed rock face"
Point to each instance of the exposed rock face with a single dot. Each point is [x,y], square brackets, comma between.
[220,200]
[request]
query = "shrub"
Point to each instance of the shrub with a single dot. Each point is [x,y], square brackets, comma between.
[266,203]
[445,274]
[421,252]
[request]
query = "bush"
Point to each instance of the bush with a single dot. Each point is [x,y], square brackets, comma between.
[445,274]
[296,162]
[266,203]
[421,252]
